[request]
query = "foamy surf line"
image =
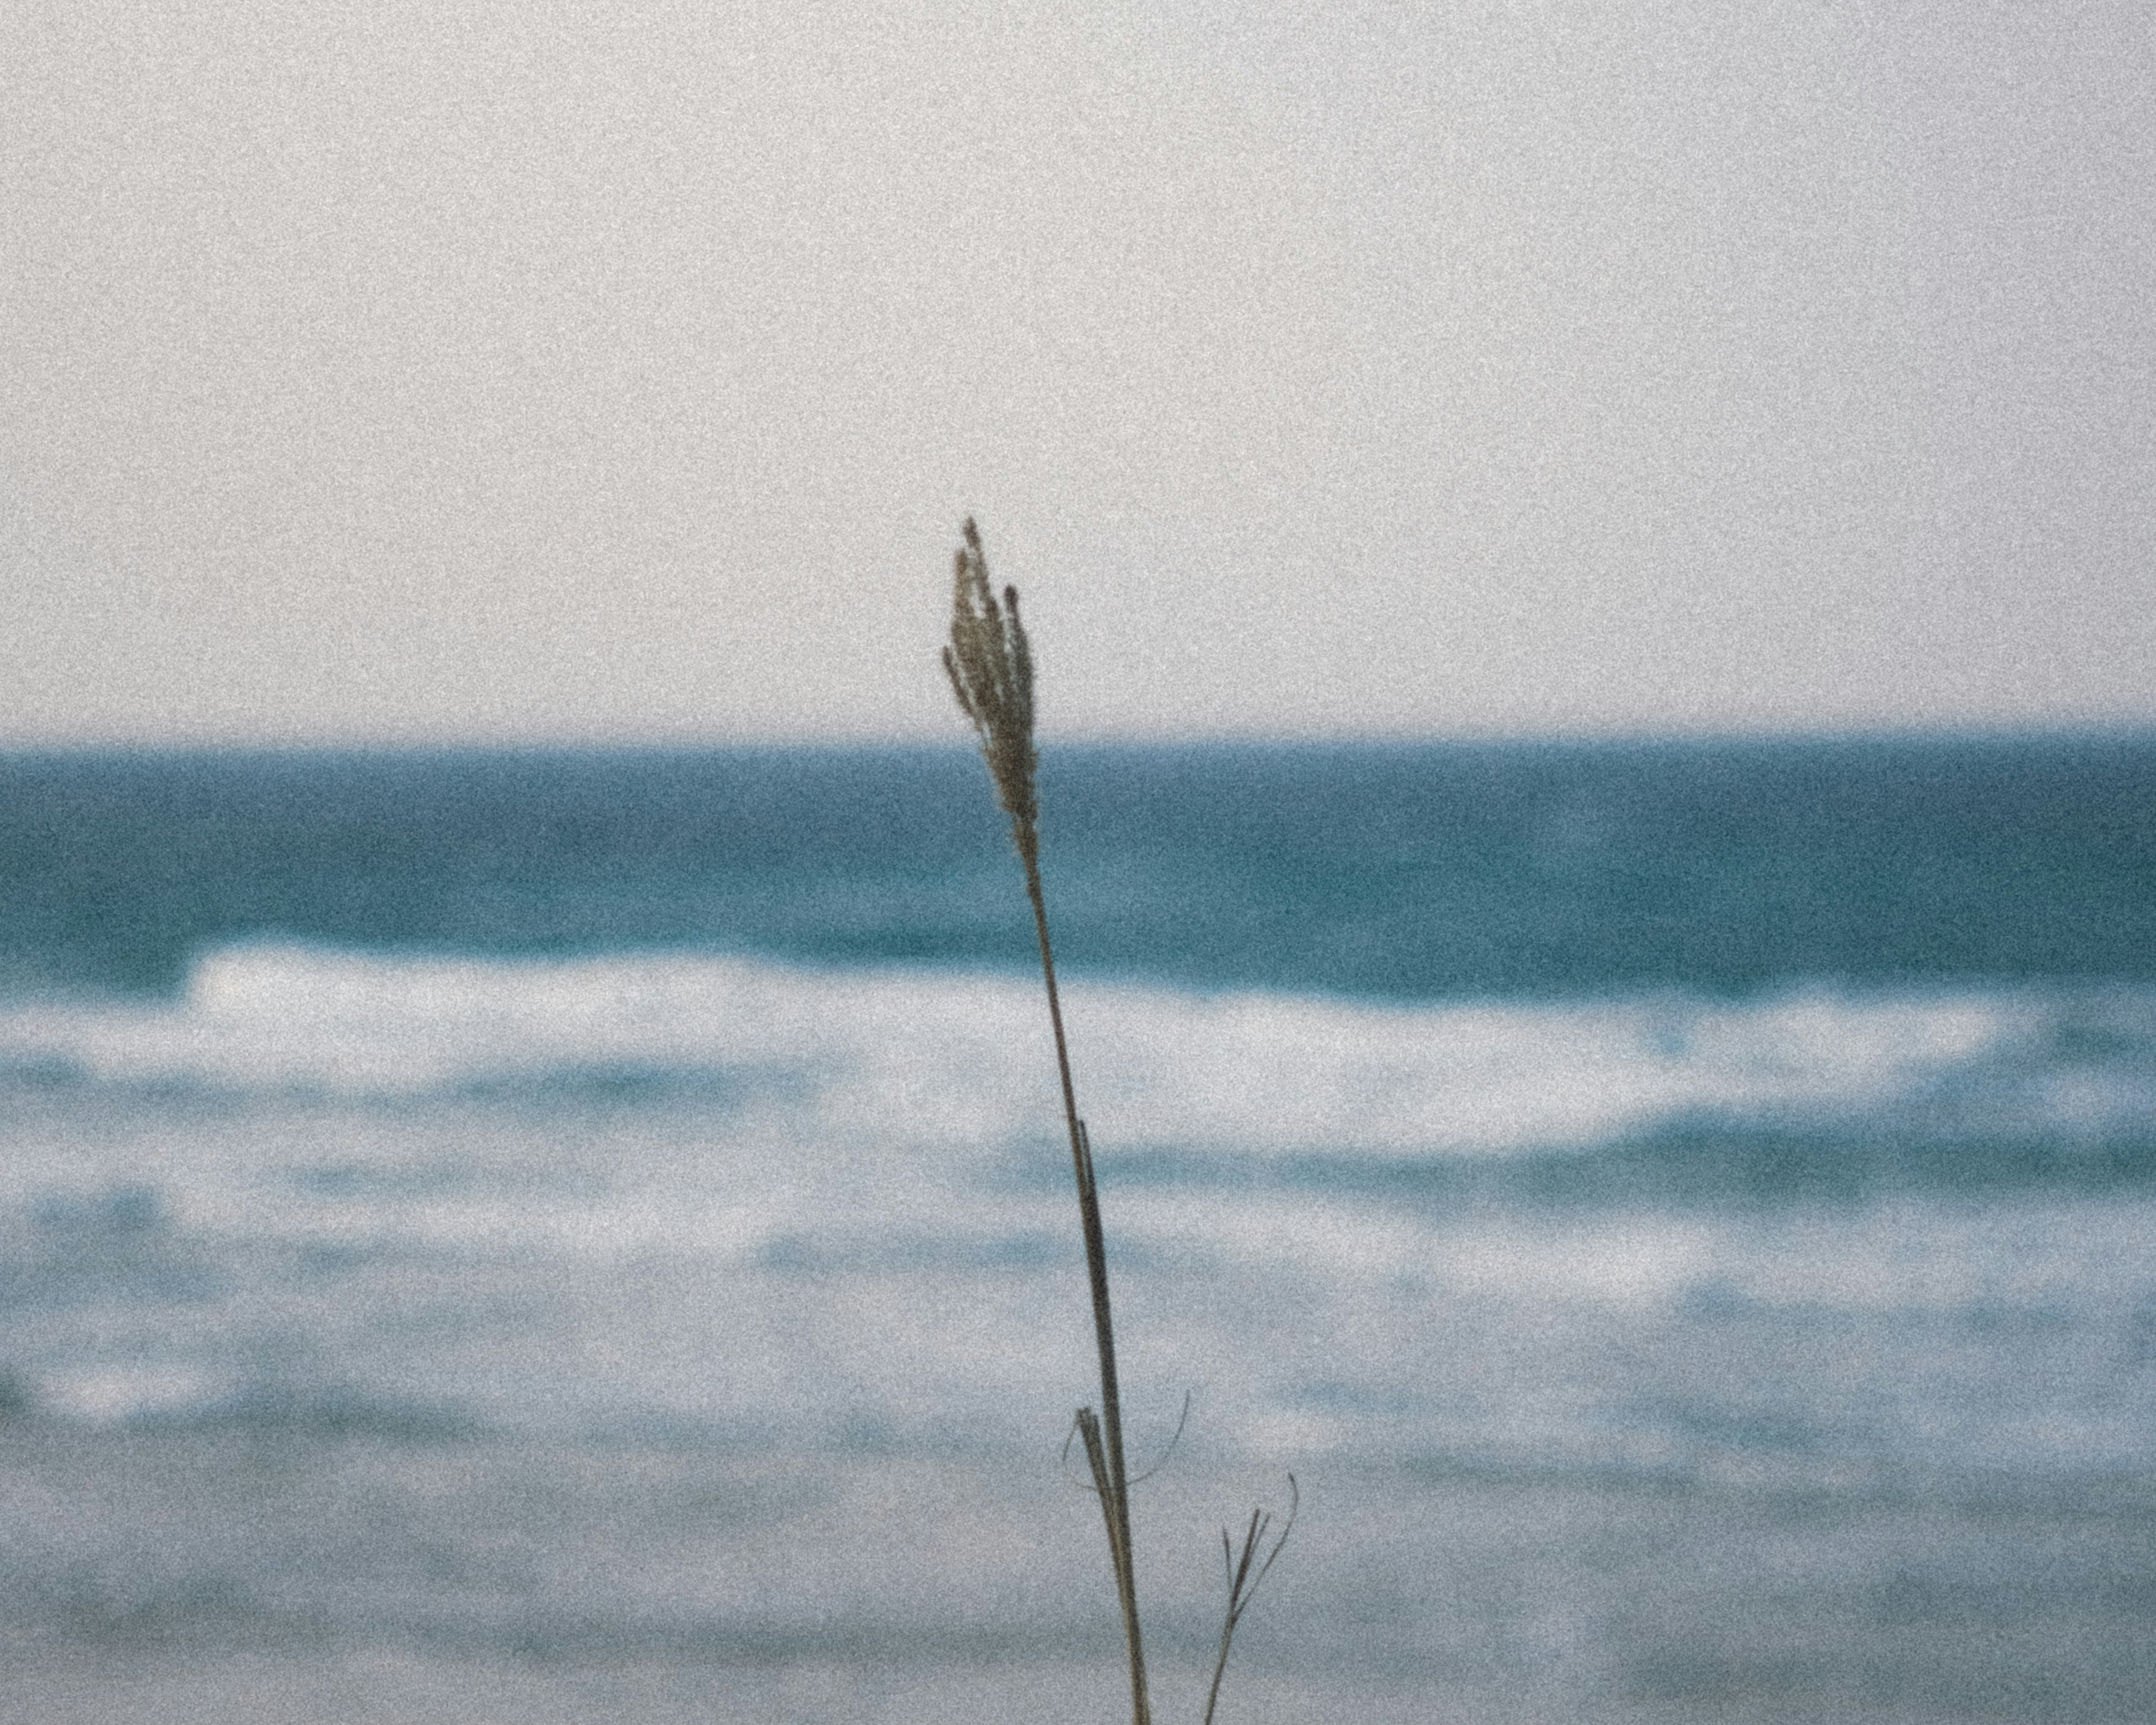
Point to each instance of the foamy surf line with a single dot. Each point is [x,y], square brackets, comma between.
[920,1056]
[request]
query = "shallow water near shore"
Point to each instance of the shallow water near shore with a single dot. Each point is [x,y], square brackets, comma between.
[537,1236]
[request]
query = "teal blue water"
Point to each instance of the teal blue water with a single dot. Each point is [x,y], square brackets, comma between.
[1411,873]
[1685,1214]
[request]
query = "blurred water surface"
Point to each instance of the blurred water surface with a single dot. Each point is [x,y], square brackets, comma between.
[544,1235]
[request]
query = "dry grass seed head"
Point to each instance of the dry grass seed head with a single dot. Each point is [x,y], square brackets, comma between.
[990,666]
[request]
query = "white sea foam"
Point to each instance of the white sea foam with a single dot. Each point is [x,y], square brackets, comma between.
[887,1057]
[115,1395]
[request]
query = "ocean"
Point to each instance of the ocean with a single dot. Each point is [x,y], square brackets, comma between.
[491,1235]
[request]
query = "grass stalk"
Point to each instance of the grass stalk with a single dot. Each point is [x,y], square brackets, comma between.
[1243,1582]
[990,666]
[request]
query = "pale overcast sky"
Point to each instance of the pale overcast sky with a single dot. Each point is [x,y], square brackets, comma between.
[622,371]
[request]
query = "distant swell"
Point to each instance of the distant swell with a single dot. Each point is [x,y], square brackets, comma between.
[1823,1088]
[1710,1164]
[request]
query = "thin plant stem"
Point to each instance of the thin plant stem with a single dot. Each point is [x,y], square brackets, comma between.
[1113,1480]
[990,666]
[1243,1585]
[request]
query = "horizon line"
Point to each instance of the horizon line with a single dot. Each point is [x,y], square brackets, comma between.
[2116,730]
